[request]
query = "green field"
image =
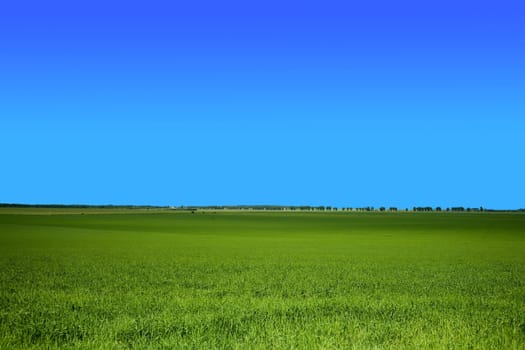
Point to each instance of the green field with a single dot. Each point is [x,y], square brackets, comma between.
[249,280]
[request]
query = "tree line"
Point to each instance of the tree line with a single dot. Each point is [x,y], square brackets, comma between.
[261,207]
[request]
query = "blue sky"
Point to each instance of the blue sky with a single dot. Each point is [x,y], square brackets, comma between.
[318,103]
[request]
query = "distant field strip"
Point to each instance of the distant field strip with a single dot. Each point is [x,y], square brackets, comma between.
[256,280]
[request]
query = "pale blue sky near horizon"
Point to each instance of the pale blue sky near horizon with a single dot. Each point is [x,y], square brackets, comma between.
[294,103]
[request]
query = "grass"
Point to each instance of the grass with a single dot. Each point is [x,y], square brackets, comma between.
[232,280]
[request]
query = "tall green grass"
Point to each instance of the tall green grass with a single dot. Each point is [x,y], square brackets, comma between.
[262,280]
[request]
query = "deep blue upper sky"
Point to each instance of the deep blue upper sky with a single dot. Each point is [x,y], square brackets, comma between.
[403,103]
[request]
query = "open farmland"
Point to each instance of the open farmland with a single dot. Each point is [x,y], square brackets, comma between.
[248,280]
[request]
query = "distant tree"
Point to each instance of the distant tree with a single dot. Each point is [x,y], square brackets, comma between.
[422,209]
[438,208]
[382,208]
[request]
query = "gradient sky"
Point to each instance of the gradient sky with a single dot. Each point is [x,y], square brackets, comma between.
[394,103]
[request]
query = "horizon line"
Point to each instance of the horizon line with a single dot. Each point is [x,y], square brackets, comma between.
[258,206]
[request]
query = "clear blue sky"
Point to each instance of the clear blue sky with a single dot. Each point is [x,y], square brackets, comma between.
[394,103]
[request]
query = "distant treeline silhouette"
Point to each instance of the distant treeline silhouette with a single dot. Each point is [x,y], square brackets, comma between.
[259,207]
[58,206]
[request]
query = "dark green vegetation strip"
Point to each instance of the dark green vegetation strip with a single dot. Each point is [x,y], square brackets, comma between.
[263,280]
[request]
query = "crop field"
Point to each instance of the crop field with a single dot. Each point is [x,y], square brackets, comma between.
[82,279]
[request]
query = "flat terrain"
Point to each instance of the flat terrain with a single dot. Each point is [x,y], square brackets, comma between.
[248,280]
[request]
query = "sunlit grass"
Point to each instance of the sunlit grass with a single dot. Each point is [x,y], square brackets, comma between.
[263,280]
